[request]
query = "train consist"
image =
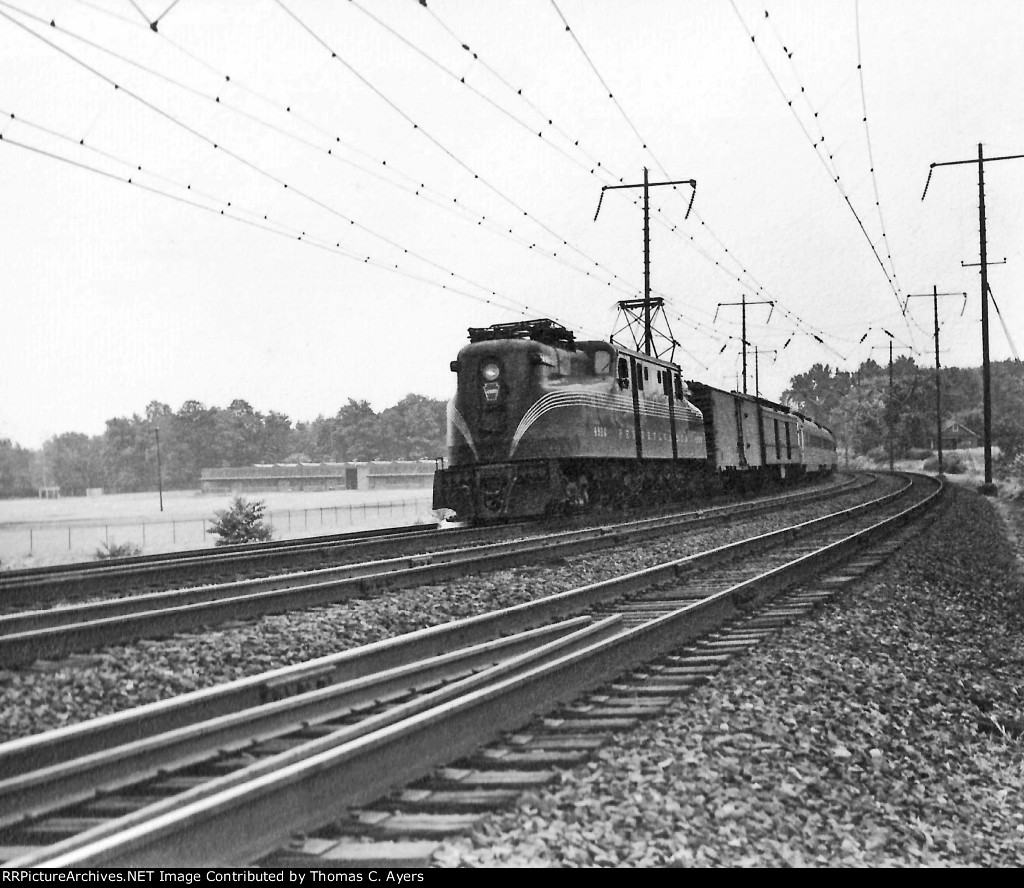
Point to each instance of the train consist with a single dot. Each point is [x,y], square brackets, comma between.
[541,423]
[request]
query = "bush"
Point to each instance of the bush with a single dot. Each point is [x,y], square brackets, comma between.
[117,550]
[878,455]
[952,464]
[241,522]
[920,453]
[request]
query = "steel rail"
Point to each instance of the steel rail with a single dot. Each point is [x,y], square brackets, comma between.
[35,586]
[86,737]
[38,792]
[138,565]
[28,636]
[256,809]
[55,785]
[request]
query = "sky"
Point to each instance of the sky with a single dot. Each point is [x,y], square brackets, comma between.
[324,196]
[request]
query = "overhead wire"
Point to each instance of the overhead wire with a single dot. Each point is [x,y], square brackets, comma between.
[1006,330]
[462,81]
[443,148]
[871,155]
[689,240]
[816,145]
[818,336]
[235,156]
[518,91]
[273,226]
[454,207]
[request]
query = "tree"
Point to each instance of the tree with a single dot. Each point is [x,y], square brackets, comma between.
[73,462]
[125,455]
[277,437]
[241,522]
[414,428]
[16,476]
[356,433]
[189,444]
[818,392]
[237,434]
[1008,409]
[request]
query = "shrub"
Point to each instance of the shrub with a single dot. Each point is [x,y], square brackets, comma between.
[878,455]
[952,464]
[241,522]
[117,550]
[920,453]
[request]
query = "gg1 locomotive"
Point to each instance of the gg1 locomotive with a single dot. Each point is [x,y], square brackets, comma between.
[541,423]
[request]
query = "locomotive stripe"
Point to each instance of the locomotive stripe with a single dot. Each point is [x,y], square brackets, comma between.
[614,403]
[456,419]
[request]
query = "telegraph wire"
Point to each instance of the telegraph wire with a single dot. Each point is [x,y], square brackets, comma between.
[519,92]
[247,163]
[833,168]
[80,143]
[462,81]
[336,249]
[454,207]
[757,286]
[597,74]
[437,143]
[459,210]
[708,256]
[607,171]
[690,241]
[816,146]
[871,156]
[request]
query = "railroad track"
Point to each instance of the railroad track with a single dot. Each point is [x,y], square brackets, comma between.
[35,587]
[57,631]
[211,778]
[40,585]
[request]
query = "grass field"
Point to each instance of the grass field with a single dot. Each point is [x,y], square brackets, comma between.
[35,532]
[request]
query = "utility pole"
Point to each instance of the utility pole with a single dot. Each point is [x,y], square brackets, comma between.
[647,185]
[743,338]
[159,474]
[757,372]
[892,418]
[890,408]
[986,378]
[935,294]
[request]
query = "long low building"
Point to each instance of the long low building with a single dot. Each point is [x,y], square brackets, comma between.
[319,476]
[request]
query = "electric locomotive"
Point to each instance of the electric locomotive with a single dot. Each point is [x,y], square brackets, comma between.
[542,423]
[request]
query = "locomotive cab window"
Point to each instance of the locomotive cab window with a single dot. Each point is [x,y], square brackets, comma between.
[623,373]
[602,363]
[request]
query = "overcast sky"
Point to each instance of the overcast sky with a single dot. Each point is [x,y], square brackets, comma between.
[376,189]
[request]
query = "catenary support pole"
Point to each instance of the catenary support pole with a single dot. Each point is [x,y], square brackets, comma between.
[988,487]
[934,295]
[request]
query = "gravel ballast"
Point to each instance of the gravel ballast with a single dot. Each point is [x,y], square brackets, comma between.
[54,694]
[887,729]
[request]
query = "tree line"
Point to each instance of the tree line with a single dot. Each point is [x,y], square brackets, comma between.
[859,406]
[124,458]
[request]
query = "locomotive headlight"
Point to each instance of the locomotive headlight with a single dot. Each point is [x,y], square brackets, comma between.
[490,371]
